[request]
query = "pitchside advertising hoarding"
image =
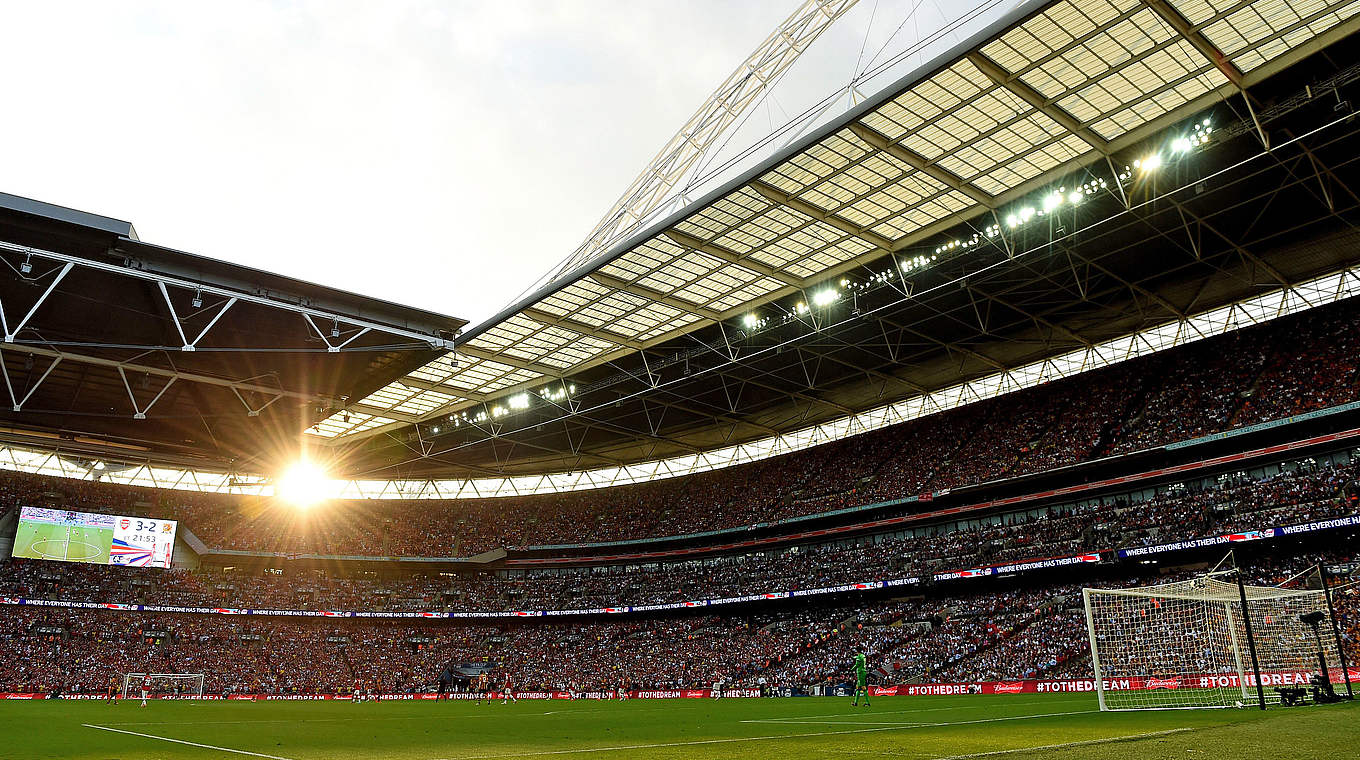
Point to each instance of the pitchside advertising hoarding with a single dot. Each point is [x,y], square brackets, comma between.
[1028,686]
[69,536]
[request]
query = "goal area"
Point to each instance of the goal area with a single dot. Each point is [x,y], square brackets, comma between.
[188,685]
[1210,641]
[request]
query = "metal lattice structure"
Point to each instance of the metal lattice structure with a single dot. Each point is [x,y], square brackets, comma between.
[983,224]
[1053,90]
[664,177]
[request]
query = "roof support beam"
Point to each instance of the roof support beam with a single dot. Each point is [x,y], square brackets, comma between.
[918,162]
[492,356]
[732,257]
[117,366]
[807,209]
[451,390]
[642,291]
[378,411]
[580,328]
[1036,99]
[1201,43]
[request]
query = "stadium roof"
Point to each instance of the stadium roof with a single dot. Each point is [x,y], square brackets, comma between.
[1052,89]
[116,347]
[981,225]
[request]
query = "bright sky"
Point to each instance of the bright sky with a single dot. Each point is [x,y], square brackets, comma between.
[438,154]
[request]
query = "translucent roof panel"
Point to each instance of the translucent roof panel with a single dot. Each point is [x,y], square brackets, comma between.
[989,121]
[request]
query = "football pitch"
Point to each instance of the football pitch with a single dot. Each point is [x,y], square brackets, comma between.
[933,728]
[37,540]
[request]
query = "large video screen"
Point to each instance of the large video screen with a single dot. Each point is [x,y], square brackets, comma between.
[68,536]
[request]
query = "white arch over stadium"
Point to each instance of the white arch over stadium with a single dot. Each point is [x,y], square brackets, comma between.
[1257,310]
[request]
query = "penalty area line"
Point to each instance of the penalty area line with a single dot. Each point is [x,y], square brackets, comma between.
[776,737]
[1068,745]
[181,741]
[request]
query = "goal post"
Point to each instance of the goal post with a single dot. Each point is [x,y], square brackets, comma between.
[189,685]
[1205,642]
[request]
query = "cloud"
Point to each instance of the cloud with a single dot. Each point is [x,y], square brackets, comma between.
[439,154]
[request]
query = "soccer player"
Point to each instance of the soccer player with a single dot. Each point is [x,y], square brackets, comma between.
[113,691]
[358,692]
[483,688]
[146,688]
[861,680]
[508,695]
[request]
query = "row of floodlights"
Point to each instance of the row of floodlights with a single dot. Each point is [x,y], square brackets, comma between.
[828,295]
[515,403]
[1055,200]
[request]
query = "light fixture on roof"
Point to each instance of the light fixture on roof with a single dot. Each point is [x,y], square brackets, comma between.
[335,329]
[1075,197]
[1181,145]
[197,301]
[1052,201]
[825,297]
[518,401]
[750,320]
[1149,164]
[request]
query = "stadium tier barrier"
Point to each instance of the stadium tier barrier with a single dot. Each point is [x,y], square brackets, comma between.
[1007,568]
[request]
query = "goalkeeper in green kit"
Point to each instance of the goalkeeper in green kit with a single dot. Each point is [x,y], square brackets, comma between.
[861,680]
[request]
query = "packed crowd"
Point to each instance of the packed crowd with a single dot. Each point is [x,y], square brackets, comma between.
[1292,365]
[992,635]
[1302,492]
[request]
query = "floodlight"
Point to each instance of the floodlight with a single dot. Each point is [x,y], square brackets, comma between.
[1052,201]
[1181,145]
[1075,197]
[824,297]
[518,401]
[1012,221]
[750,320]
[1152,163]
[303,484]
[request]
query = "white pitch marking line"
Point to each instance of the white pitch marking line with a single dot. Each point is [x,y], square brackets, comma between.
[792,721]
[946,723]
[181,741]
[1065,745]
[738,739]
[914,710]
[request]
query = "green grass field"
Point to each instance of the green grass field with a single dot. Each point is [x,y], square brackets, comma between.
[1024,726]
[75,544]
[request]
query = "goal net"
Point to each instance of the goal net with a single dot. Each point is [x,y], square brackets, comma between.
[1194,644]
[163,684]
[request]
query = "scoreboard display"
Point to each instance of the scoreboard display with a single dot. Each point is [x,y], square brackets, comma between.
[68,536]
